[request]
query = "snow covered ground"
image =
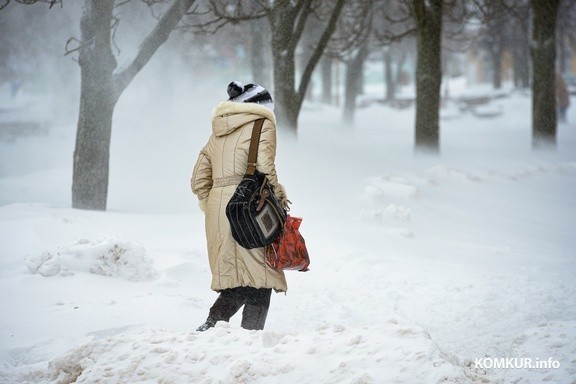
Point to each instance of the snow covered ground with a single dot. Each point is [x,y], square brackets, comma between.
[424,269]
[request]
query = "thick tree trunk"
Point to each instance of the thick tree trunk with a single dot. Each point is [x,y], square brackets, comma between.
[100,89]
[287,103]
[92,152]
[544,118]
[428,74]
[284,42]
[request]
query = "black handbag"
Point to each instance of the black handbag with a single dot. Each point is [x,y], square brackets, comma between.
[256,216]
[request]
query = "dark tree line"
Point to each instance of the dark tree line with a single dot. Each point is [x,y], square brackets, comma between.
[528,28]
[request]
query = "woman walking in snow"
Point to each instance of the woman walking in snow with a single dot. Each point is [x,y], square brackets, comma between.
[241,276]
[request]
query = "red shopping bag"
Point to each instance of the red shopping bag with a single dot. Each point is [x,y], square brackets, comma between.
[288,251]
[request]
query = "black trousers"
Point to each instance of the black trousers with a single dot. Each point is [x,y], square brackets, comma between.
[256,302]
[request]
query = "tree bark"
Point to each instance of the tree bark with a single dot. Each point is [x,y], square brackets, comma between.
[287,25]
[287,21]
[544,118]
[353,82]
[100,89]
[92,151]
[428,74]
[390,94]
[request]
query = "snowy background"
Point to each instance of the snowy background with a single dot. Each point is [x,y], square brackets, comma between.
[420,265]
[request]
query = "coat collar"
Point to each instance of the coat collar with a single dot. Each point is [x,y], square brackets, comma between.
[229,115]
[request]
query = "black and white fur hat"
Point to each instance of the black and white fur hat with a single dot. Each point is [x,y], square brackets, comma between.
[249,93]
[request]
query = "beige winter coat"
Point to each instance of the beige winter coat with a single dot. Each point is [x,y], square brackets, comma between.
[218,170]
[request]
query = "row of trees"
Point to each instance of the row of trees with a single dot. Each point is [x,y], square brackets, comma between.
[345,29]
[532,31]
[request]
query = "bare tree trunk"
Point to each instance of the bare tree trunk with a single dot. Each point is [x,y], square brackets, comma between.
[353,82]
[544,118]
[288,20]
[284,41]
[428,74]
[100,89]
[398,79]
[496,56]
[326,69]
[92,152]
[286,99]
[389,76]
[521,54]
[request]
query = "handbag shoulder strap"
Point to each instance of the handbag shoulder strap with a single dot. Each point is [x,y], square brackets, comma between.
[253,150]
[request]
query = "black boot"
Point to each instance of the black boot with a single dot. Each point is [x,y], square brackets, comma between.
[207,325]
[254,317]
[226,305]
[256,308]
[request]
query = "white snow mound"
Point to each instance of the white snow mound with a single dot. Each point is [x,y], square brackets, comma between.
[107,256]
[388,353]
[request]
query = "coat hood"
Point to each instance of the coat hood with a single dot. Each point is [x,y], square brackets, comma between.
[230,115]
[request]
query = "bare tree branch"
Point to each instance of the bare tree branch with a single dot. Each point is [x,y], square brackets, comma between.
[28,2]
[328,31]
[151,43]
[227,12]
[301,10]
[72,40]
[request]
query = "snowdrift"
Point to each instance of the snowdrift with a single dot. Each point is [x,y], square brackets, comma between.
[107,256]
[390,353]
